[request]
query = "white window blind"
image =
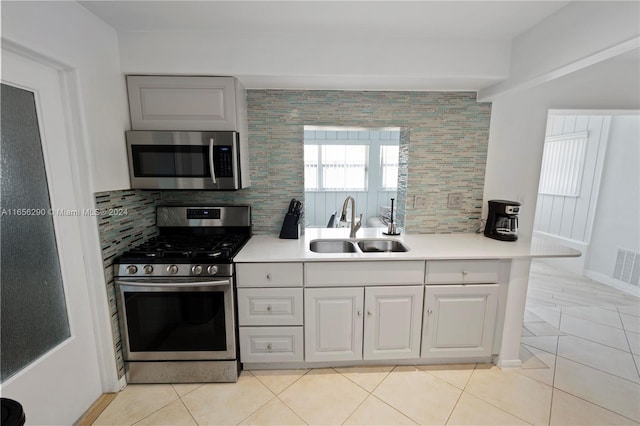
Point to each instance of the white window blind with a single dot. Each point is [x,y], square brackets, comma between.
[389,155]
[563,164]
[335,167]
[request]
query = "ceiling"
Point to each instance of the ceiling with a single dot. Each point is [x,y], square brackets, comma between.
[349,45]
[419,19]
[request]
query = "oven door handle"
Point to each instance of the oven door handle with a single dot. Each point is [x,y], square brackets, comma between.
[174,283]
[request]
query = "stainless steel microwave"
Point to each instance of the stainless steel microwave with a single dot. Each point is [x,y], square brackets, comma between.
[186,160]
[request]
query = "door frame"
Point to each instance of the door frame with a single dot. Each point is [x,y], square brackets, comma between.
[80,160]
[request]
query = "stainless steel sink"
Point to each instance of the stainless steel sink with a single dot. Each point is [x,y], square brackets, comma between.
[357,246]
[381,246]
[333,246]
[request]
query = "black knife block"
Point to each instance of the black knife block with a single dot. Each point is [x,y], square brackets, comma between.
[290,227]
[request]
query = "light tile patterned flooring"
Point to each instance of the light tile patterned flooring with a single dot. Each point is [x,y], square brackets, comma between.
[580,352]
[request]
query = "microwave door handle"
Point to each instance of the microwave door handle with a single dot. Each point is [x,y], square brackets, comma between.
[211,165]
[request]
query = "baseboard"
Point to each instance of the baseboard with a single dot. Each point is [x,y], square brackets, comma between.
[612,282]
[509,363]
[92,414]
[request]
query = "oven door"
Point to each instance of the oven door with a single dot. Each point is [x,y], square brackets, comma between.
[183,160]
[176,319]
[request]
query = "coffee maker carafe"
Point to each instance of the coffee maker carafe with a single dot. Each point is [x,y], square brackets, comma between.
[502,220]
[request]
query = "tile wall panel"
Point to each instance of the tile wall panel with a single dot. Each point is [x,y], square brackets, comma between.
[119,232]
[443,142]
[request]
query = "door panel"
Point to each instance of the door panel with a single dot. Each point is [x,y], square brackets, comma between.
[333,324]
[58,386]
[459,320]
[28,239]
[392,322]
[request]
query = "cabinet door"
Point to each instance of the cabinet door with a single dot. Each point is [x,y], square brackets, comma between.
[333,324]
[393,322]
[459,320]
[182,102]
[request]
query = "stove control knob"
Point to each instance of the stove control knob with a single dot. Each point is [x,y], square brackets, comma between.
[212,270]
[148,269]
[173,269]
[196,269]
[132,269]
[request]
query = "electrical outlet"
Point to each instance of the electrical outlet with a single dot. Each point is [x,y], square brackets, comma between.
[454,201]
[420,201]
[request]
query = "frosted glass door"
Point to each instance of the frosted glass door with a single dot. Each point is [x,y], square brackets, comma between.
[34,313]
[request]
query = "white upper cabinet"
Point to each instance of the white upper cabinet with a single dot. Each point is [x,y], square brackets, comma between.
[187,103]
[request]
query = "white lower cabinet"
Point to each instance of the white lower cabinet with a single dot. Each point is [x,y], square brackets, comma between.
[354,323]
[393,320]
[333,323]
[459,320]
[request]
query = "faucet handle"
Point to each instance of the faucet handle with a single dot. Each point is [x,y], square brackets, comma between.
[356,227]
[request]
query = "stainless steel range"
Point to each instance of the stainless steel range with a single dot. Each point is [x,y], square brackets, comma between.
[176,299]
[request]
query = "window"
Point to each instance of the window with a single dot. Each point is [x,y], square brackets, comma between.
[562,164]
[389,155]
[335,167]
[343,159]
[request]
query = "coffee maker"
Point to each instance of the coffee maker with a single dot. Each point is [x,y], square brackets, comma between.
[502,220]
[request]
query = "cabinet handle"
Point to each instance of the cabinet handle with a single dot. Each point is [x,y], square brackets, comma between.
[429,311]
[464,273]
[269,346]
[268,276]
[359,313]
[269,308]
[369,313]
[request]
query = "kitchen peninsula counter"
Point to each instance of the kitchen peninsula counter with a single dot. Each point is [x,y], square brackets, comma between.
[270,248]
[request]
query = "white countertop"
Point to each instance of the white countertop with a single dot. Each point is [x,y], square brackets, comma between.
[270,248]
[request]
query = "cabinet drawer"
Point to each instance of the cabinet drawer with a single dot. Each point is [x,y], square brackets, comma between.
[462,271]
[269,274]
[270,306]
[271,344]
[325,274]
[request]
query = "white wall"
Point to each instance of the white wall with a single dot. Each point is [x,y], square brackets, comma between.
[617,220]
[320,61]
[72,36]
[571,217]
[518,123]
[578,35]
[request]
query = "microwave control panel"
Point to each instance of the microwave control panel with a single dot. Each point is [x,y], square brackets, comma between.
[223,160]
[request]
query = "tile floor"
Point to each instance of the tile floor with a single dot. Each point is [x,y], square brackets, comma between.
[580,352]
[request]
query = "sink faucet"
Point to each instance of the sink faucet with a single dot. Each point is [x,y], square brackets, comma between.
[343,216]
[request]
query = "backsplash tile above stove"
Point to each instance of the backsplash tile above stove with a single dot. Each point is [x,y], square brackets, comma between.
[134,223]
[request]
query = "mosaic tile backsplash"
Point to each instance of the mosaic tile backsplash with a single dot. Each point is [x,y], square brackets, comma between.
[136,223]
[443,147]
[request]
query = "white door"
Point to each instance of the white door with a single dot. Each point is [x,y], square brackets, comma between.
[333,324]
[393,322]
[55,385]
[459,320]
